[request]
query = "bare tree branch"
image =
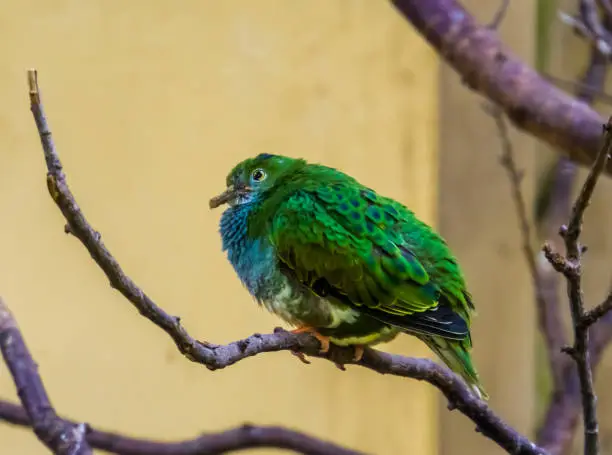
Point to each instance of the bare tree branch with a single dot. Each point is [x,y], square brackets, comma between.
[215,357]
[580,28]
[246,436]
[592,316]
[558,427]
[500,14]
[601,332]
[588,25]
[557,432]
[60,437]
[561,418]
[570,266]
[590,17]
[487,67]
[532,105]
[549,317]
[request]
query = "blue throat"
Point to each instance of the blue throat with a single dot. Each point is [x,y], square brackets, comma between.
[253,259]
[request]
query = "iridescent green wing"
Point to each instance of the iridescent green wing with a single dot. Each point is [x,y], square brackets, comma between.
[346,240]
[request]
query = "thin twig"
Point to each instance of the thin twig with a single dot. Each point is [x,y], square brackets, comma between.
[215,357]
[549,318]
[601,333]
[500,14]
[571,267]
[574,228]
[586,30]
[234,440]
[561,419]
[60,437]
[590,17]
[592,316]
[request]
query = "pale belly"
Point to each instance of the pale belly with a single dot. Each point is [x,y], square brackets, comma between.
[344,325]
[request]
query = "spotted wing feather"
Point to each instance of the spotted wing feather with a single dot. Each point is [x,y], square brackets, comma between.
[350,242]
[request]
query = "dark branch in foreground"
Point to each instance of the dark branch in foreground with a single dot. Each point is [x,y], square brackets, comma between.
[571,267]
[216,357]
[487,67]
[559,426]
[592,316]
[60,437]
[246,436]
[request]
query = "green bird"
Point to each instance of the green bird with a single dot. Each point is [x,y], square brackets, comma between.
[335,259]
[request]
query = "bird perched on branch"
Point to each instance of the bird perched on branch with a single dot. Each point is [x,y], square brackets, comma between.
[335,259]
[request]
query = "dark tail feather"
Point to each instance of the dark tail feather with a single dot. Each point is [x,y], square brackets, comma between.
[456,356]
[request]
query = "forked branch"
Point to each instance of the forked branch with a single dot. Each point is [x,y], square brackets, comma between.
[486,66]
[234,440]
[61,437]
[570,266]
[216,357]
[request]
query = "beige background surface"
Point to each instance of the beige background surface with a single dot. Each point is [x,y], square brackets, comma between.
[151,105]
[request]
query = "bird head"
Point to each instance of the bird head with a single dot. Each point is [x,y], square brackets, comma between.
[254,176]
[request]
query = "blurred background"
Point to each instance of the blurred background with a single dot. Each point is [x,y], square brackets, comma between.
[152,102]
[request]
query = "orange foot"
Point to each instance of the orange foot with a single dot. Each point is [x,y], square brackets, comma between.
[359,350]
[325,344]
[357,355]
[301,356]
[322,339]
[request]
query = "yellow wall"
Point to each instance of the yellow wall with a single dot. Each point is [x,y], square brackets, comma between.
[151,103]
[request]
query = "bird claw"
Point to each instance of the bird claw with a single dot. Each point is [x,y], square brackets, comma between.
[358,355]
[323,340]
[325,346]
[301,356]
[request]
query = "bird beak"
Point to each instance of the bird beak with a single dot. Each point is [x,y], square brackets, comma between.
[223,198]
[228,195]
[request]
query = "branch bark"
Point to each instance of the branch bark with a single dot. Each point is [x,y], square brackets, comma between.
[60,437]
[571,267]
[215,356]
[487,67]
[246,436]
[561,419]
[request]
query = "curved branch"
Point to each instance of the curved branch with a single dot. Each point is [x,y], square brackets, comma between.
[487,67]
[215,357]
[246,436]
[60,437]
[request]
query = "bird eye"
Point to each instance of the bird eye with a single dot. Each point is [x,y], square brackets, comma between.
[258,175]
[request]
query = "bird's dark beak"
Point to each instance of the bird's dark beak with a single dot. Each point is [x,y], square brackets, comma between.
[223,198]
[231,193]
